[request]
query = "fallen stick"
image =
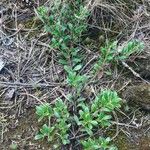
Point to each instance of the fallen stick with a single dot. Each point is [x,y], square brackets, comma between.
[18,84]
[134,73]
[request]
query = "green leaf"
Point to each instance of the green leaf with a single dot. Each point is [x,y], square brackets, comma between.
[113,148]
[78,67]
[77,120]
[63,61]
[94,122]
[107,117]
[45,129]
[38,137]
[89,131]
[68,69]
[56,113]
[44,110]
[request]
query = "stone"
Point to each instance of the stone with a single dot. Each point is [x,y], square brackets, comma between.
[138,95]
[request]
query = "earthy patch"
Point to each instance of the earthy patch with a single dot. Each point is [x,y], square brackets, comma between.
[138,95]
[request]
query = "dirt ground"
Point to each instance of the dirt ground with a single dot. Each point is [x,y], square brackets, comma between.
[30,74]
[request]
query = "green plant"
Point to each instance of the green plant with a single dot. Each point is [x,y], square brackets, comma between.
[62,115]
[113,53]
[133,46]
[44,111]
[45,131]
[57,118]
[74,79]
[97,114]
[62,132]
[86,119]
[107,55]
[66,21]
[98,144]
[106,101]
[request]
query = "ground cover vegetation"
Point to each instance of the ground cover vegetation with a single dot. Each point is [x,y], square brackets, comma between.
[67,23]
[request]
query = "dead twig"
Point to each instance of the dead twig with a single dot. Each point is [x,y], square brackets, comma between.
[134,73]
[30,85]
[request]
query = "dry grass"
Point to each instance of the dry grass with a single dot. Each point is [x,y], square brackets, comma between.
[121,19]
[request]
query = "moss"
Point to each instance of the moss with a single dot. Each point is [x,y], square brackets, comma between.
[121,141]
[32,23]
[29,23]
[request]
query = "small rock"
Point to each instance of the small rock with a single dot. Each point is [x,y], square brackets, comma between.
[138,95]
[9,94]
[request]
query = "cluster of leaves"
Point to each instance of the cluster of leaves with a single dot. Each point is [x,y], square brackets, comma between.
[98,114]
[113,53]
[66,23]
[98,144]
[57,118]
[74,79]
